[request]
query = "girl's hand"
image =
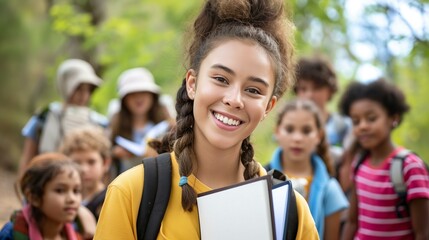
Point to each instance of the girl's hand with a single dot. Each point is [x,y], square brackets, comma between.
[121,152]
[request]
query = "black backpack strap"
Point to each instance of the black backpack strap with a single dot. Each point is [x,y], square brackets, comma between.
[292,223]
[95,204]
[155,196]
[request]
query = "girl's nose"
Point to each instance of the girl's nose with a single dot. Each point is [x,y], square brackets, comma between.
[233,98]
[297,136]
[73,196]
[362,125]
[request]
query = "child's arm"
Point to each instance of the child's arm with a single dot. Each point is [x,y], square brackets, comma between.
[419,209]
[88,222]
[332,226]
[351,223]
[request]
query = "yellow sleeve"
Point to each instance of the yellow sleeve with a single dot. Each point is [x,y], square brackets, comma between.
[120,208]
[115,221]
[306,226]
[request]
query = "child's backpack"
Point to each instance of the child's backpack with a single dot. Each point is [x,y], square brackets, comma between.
[58,121]
[396,176]
[157,188]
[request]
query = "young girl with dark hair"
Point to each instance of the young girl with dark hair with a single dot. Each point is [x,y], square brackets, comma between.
[303,155]
[52,188]
[239,65]
[376,109]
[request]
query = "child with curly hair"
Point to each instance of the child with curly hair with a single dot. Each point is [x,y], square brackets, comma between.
[376,109]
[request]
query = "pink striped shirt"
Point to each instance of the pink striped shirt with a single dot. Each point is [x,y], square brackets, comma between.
[377,218]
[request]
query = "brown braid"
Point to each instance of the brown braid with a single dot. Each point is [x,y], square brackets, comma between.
[183,146]
[251,166]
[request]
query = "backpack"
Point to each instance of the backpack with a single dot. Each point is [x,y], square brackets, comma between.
[156,193]
[396,176]
[57,121]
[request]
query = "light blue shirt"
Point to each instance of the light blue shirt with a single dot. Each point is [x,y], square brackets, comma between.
[326,196]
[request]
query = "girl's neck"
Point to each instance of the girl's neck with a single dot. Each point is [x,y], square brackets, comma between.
[89,193]
[218,168]
[51,230]
[381,152]
[301,168]
[139,121]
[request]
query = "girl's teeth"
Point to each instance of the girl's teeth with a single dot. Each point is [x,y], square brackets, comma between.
[227,120]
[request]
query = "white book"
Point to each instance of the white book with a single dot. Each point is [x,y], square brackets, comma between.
[241,211]
[281,193]
[138,149]
[253,209]
[130,146]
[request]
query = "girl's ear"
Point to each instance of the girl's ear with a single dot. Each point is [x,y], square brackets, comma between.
[32,200]
[191,83]
[395,120]
[270,106]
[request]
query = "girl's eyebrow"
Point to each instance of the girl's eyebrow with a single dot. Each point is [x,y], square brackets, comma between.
[230,71]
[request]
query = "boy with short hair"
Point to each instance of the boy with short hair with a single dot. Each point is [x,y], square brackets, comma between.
[316,80]
[90,148]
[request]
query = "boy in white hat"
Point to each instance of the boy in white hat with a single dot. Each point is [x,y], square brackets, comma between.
[76,81]
[140,117]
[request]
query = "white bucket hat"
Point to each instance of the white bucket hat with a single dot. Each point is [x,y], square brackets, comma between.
[136,80]
[73,72]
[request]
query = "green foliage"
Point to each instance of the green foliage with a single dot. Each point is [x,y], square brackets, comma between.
[147,33]
[69,22]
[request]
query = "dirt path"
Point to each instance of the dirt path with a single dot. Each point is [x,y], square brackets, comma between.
[8,200]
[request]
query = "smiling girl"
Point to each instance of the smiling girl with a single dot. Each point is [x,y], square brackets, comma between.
[52,188]
[303,156]
[239,65]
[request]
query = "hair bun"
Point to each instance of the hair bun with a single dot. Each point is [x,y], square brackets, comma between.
[254,12]
[232,10]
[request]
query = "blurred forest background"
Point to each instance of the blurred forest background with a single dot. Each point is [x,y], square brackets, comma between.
[364,40]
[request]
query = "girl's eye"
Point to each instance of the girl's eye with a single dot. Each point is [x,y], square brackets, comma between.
[220,79]
[60,190]
[254,91]
[289,129]
[307,130]
[372,118]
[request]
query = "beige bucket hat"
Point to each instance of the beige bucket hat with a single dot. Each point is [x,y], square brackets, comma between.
[73,72]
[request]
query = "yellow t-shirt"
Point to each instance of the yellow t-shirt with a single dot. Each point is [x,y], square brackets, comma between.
[119,213]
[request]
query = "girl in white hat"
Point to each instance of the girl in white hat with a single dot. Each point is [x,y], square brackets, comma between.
[140,118]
